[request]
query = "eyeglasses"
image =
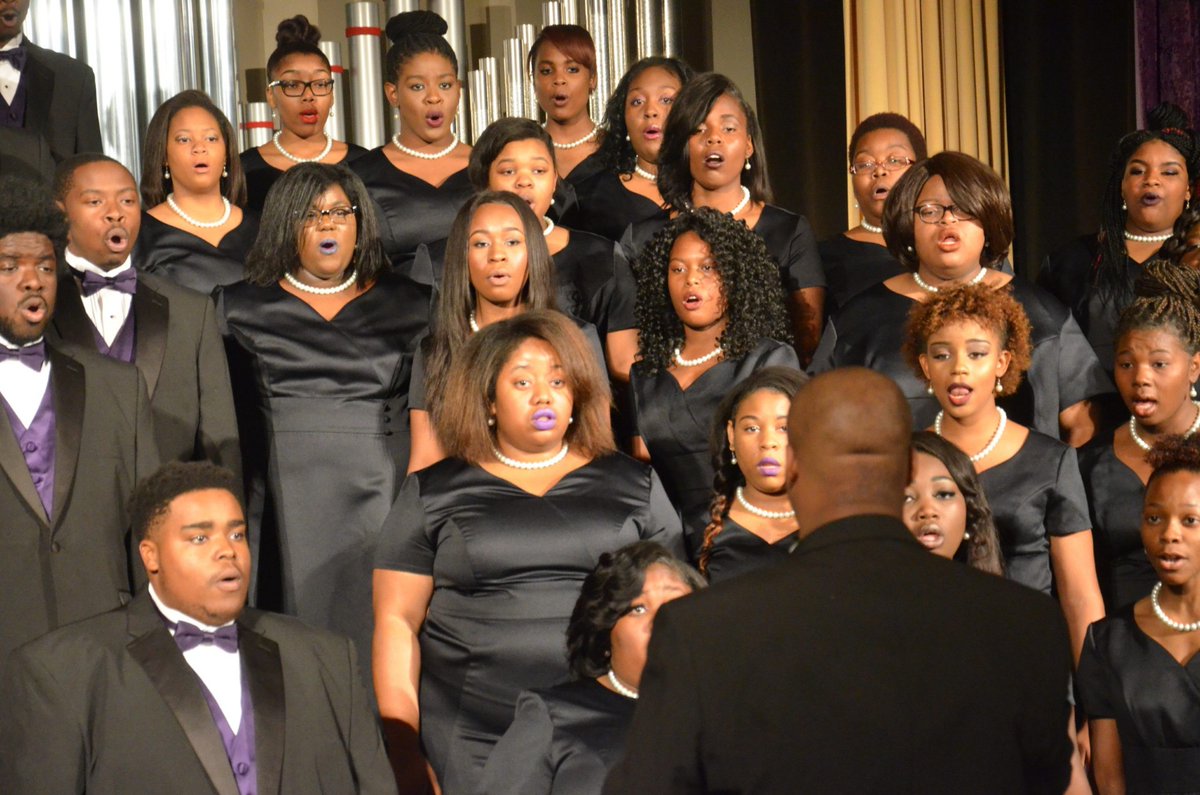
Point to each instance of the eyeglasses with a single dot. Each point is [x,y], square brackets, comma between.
[889,164]
[932,212]
[296,88]
[340,215]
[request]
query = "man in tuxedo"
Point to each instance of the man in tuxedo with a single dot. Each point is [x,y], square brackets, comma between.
[168,332]
[185,690]
[75,435]
[863,663]
[45,93]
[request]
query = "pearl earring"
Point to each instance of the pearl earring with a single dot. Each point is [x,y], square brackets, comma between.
[732,457]
[1123,207]
[929,389]
[224,171]
[1193,390]
[747,164]
[999,387]
[491,421]
[166,172]
[570,420]
[966,536]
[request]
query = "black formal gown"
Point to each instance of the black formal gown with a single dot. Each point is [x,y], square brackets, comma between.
[604,207]
[869,332]
[852,266]
[1115,495]
[191,261]
[675,424]
[1035,495]
[563,741]
[1126,676]
[736,551]
[260,175]
[507,567]
[328,434]
[410,210]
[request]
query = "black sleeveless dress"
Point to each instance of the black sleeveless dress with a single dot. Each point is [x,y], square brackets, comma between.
[737,551]
[852,266]
[191,261]
[604,207]
[260,175]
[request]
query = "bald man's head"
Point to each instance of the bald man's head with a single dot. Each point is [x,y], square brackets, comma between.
[848,442]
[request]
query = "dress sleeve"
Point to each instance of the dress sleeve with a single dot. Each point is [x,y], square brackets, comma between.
[416,381]
[622,305]
[406,542]
[664,525]
[780,356]
[823,358]
[1093,680]
[1080,374]
[521,763]
[801,267]
[1067,508]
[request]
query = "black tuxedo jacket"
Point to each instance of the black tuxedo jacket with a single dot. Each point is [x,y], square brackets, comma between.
[61,102]
[863,664]
[75,563]
[180,354]
[109,705]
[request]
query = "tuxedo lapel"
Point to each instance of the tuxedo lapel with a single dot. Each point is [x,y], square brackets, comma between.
[39,90]
[263,674]
[69,384]
[151,311]
[71,322]
[12,462]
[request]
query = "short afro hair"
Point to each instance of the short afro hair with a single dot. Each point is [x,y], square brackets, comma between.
[1174,454]
[152,496]
[889,121]
[27,206]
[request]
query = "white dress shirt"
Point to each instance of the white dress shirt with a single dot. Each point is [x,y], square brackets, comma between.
[9,76]
[219,670]
[108,308]
[22,387]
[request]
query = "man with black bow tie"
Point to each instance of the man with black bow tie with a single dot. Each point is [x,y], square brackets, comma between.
[183,690]
[168,332]
[75,435]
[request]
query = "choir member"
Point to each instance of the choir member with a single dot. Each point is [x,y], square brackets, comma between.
[563,62]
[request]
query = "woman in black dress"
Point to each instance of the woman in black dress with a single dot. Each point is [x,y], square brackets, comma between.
[1149,186]
[563,62]
[712,155]
[564,739]
[710,312]
[1139,677]
[969,345]
[484,552]
[949,221]
[301,95]
[321,339]
[625,188]
[418,181]
[1157,364]
[195,232]
[752,523]
[882,148]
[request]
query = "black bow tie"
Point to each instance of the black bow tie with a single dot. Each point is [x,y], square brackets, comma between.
[189,636]
[32,356]
[125,282]
[16,56]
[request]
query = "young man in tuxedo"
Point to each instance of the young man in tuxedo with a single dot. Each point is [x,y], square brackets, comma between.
[185,690]
[168,332]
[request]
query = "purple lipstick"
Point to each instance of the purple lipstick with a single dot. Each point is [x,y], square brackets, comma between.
[769,467]
[328,246]
[545,419]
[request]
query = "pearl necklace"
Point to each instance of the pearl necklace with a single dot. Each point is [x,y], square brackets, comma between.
[868,226]
[742,204]
[1142,443]
[306,288]
[765,514]
[682,362]
[643,173]
[201,224]
[991,445]
[474,325]
[423,155]
[549,227]
[620,686]
[1158,611]
[1148,238]
[580,142]
[328,148]
[929,288]
[515,464]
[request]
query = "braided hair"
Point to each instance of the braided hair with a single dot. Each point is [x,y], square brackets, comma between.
[1167,296]
[1177,246]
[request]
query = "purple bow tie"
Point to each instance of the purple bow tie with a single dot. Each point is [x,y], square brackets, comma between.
[32,356]
[189,636]
[16,57]
[125,282]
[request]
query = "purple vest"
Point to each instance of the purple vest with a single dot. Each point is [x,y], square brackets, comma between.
[14,115]
[239,747]
[37,445]
[123,345]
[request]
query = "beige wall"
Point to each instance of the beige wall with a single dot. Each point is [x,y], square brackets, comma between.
[733,44]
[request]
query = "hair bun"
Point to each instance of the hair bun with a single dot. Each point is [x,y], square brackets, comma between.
[1160,278]
[412,23]
[297,30]
[1165,115]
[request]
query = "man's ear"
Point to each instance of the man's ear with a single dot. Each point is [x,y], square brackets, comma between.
[149,552]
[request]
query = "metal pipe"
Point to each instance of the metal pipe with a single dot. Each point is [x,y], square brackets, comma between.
[395,7]
[216,67]
[454,12]
[647,15]
[670,27]
[491,73]
[363,36]
[116,75]
[477,93]
[512,67]
[257,124]
[528,34]
[596,21]
[618,50]
[551,13]
[335,123]
[570,12]
[51,24]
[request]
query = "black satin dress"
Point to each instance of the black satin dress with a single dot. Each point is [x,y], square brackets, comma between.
[675,424]
[191,261]
[1035,495]
[563,741]
[1115,495]
[604,207]
[737,551]
[260,175]
[410,210]
[852,266]
[1126,676]
[507,567]
[331,432]
[869,332]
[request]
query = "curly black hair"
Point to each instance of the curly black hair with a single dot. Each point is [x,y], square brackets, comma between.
[616,152]
[26,206]
[153,494]
[754,308]
[608,591]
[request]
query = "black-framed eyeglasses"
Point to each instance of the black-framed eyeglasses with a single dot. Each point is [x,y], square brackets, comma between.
[296,88]
[340,215]
[933,213]
[889,164]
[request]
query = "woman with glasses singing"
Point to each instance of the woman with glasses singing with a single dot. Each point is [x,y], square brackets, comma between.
[321,337]
[949,222]
[301,96]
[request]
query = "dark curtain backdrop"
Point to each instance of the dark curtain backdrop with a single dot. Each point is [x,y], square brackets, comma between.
[1168,35]
[1069,89]
[799,69]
